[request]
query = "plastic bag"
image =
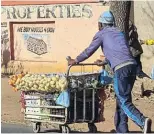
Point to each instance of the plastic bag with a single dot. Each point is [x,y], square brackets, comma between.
[64,99]
[105,78]
[152,73]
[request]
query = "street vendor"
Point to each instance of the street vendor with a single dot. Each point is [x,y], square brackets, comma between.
[116,50]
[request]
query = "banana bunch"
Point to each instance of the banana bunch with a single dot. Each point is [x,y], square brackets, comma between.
[149,42]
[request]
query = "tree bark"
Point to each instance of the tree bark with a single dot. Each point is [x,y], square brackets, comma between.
[121,12]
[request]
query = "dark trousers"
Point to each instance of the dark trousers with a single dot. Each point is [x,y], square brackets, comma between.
[123,83]
[139,64]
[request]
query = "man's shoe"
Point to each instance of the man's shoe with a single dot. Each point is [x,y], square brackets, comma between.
[147,126]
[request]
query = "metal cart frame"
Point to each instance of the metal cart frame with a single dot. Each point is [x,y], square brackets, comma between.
[68,118]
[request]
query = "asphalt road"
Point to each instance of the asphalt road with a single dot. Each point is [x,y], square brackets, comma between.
[11,128]
[14,128]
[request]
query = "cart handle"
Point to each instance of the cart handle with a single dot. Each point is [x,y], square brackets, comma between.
[79,64]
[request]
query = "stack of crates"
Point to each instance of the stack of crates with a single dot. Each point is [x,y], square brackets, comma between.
[38,108]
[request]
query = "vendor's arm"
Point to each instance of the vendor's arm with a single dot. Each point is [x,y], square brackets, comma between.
[95,44]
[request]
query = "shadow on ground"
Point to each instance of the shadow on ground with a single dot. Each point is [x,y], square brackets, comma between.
[74,131]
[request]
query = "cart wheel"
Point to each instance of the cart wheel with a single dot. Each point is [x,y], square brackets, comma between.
[60,128]
[64,129]
[92,128]
[36,127]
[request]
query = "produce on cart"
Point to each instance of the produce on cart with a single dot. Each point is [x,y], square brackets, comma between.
[38,82]
[60,98]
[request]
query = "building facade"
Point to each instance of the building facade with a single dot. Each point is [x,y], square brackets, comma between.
[38,36]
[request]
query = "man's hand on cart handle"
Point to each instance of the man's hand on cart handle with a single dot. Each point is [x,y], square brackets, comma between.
[71,61]
[100,63]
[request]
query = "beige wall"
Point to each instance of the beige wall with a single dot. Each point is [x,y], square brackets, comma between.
[71,35]
[144,20]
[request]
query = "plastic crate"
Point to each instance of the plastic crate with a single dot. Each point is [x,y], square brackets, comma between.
[31,97]
[33,102]
[48,111]
[40,102]
[31,110]
[57,119]
[37,117]
[57,111]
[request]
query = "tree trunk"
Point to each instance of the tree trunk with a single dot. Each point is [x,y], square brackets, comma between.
[121,12]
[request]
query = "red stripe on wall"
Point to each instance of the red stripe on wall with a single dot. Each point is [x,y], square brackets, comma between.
[14,3]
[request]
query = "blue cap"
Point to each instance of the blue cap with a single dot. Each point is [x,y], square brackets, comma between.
[106,18]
